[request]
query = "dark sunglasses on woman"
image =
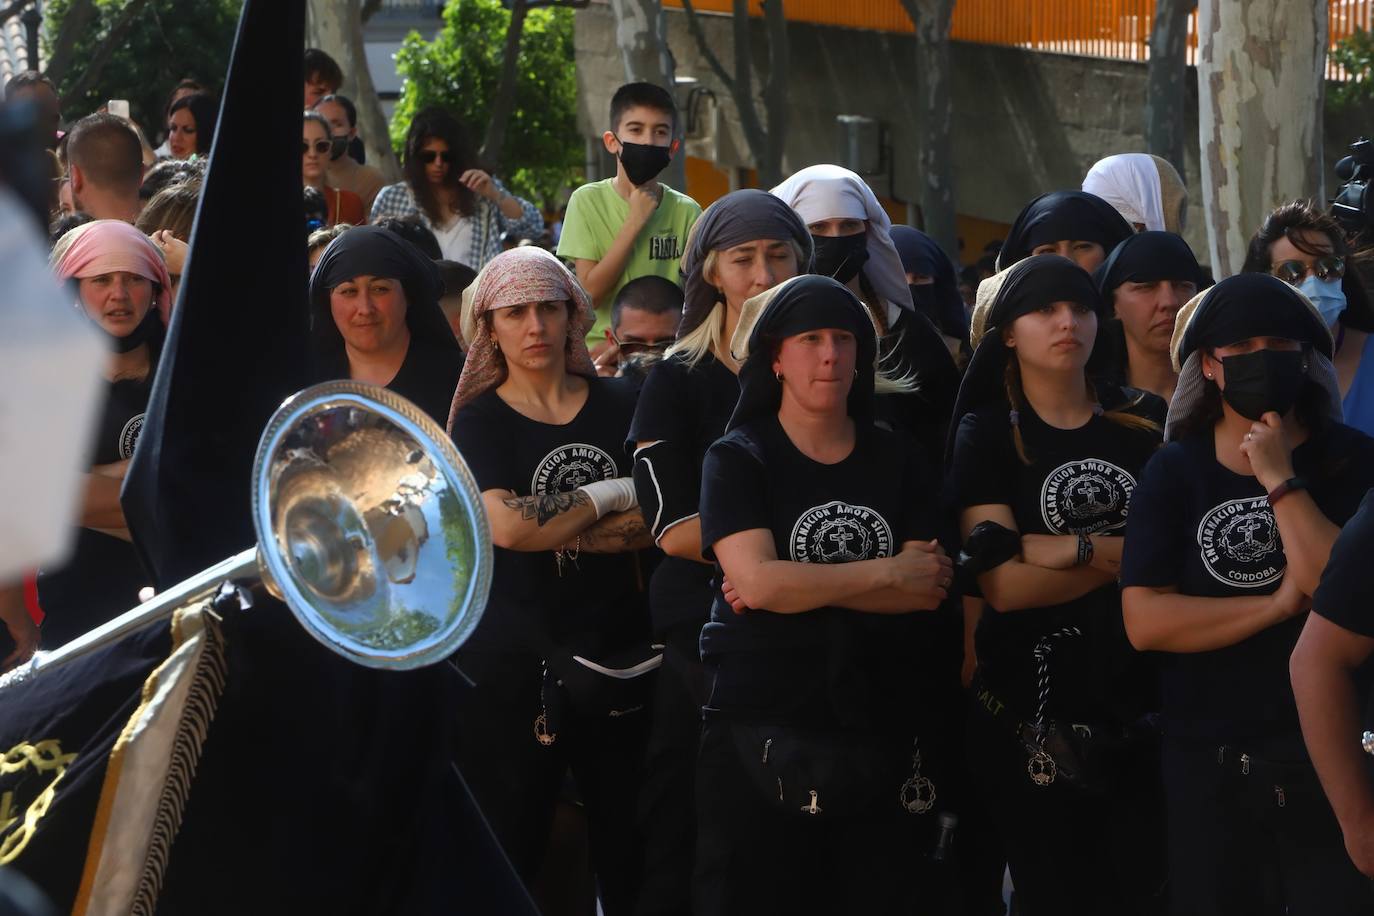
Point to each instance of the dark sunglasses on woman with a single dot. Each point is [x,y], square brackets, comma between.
[322,147]
[1292,272]
[427,156]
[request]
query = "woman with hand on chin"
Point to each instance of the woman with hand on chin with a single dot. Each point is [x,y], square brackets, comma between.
[466,208]
[823,528]
[1230,530]
[544,438]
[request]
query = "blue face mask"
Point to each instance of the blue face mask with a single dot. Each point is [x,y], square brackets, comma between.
[1326,295]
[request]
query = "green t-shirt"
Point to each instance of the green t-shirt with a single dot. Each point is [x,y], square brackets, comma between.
[596,213]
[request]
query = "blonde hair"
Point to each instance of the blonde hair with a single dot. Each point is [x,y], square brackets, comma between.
[709,336]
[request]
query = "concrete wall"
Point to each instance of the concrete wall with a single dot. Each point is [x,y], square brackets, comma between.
[1025,122]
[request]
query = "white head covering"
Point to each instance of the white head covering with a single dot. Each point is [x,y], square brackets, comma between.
[1130,183]
[833,192]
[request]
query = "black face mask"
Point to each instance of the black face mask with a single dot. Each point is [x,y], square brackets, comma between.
[840,257]
[923,297]
[338,145]
[1264,380]
[643,161]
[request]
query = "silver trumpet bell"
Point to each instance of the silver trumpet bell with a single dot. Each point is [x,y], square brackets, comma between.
[370,528]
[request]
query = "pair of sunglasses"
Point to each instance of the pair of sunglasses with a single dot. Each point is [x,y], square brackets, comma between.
[633,347]
[1327,268]
[427,156]
[322,147]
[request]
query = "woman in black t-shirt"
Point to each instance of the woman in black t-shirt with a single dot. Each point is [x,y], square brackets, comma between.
[1232,527]
[824,535]
[375,317]
[1332,681]
[120,284]
[1043,467]
[745,243]
[544,438]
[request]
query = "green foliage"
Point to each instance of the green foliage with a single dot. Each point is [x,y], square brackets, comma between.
[1355,53]
[168,40]
[460,71]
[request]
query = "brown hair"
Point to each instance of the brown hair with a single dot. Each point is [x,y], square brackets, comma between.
[173,208]
[1016,398]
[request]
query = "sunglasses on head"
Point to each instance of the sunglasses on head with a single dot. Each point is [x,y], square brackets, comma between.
[1327,268]
[427,156]
[321,146]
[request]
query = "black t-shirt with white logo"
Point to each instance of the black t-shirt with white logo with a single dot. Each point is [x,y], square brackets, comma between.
[1206,531]
[102,578]
[1078,481]
[685,408]
[828,667]
[597,596]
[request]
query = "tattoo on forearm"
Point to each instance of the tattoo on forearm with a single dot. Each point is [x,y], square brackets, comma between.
[546,507]
[617,533]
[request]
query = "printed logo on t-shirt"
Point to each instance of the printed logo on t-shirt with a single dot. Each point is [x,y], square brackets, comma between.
[570,466]
[1240,543]
[128,436]
[1086,497]
[664,248]
[840,533]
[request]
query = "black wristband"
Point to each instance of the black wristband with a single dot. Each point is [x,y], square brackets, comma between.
[1085,549]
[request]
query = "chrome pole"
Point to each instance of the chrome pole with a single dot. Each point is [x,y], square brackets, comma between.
[197,588]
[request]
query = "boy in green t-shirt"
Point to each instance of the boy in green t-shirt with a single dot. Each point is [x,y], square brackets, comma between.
[631,225]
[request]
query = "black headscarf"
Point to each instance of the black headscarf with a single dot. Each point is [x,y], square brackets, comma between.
[738,217]
[1144,258]
[921,255]
[1061,215]
[1251,305]
[802,304]
[1027,285]
[434,360]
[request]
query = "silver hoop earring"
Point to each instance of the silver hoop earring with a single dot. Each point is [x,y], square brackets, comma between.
[778,375]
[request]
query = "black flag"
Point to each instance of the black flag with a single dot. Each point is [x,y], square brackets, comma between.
[236,346]
[323,786]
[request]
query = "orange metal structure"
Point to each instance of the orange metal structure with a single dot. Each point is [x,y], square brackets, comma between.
[1118,29]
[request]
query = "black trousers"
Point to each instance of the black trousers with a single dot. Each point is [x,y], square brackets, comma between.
[754,859]
[1069,851]
[1247,838]
[516,779]
[668,816]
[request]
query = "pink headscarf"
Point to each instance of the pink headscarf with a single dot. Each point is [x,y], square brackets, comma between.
[515,277]
[109,245]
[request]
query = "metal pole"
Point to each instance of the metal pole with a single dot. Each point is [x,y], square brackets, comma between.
[198,587]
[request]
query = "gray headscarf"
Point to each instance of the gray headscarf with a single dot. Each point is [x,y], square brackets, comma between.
[738,217]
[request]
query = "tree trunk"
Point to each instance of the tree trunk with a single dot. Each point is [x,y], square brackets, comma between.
[77,21]
[766,145]
[1165,101]
[93,67]
[935,163]
[775,102]
[1261,86]
[335,27]
[504,102]
[641,35]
